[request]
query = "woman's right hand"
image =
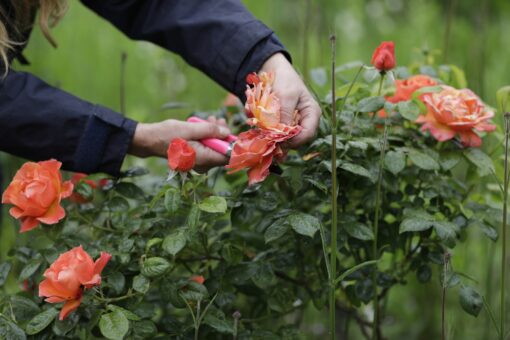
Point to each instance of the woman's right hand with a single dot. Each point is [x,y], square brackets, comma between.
[152,139]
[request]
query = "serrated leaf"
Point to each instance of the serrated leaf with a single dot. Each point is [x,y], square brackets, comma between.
[118,204]
[481,160]
[470,300]
[303,224]
[141,284]
[423,160]
[9,330]
[371,104]
[193,218]
[264,276]
[409,110]
[114,325]
[29,270]
[213,204]
[219,324]
[154,266]
[395,161]
[5,268]
[174,242]
[446,231]
[356,169]
[276,230]
[449,159]
[359,230]
[128,314]
[415,224]
[172,200]
[41,321]
[129,190]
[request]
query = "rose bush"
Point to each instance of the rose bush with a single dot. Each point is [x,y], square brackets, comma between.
[212,258]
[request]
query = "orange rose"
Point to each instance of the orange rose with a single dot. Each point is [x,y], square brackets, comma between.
[69,275]
[198,279]
[36,192]
[253,151]
[383,58]
[404,90]
[181,156]
[77,178]
[451,112]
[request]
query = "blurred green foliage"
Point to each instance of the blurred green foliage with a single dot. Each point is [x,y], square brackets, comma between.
[87,64]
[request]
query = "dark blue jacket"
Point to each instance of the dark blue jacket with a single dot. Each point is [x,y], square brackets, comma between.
[219,37]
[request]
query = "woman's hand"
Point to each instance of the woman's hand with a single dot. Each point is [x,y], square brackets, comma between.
[293,95]
[152,139]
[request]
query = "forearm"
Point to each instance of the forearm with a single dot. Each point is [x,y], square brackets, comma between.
[40,122]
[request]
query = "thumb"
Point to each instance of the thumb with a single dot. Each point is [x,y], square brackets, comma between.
[197,131]
[287,108]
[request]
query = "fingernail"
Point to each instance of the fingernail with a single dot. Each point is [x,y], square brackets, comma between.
[224,130]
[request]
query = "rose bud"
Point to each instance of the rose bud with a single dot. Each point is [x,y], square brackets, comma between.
[181,156]
[383,58]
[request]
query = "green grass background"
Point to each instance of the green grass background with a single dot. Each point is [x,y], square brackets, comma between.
[87,64]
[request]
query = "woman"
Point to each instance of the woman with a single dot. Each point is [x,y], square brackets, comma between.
[219,37]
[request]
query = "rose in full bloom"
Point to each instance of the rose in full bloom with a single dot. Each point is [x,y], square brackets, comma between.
[254,152]
[255,149]
[77,178]
[181,156]
[67,277]
[36,192]
[198,279]
[383,58]
[456,112]
[405,88]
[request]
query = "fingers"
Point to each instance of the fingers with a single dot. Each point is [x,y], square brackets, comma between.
[197,131]
[310,113]
[217,121]
[207,158]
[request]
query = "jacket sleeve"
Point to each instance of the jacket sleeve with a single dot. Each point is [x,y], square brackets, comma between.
[39,122]
[219,37]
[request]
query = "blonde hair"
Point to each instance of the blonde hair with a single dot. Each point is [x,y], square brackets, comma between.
[12,26]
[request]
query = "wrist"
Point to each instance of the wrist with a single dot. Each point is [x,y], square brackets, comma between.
[140,144]
[275,61]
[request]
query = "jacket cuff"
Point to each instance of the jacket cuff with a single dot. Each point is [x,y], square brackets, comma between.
[254,60]
[105,142]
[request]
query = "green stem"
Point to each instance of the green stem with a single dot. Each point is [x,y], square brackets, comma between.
[334,210]
[447,33]
[503,231]
[375,328]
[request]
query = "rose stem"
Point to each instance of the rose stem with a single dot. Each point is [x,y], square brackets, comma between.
[332,300]
[503,230]
[375,303]
[447,33]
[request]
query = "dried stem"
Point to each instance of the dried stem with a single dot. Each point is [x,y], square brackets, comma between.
[446,262]
[503,231]
[334,210]
[448,30]
[375,252]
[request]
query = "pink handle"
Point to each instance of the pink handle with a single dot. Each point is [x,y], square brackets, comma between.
[218,145]
[193,119]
